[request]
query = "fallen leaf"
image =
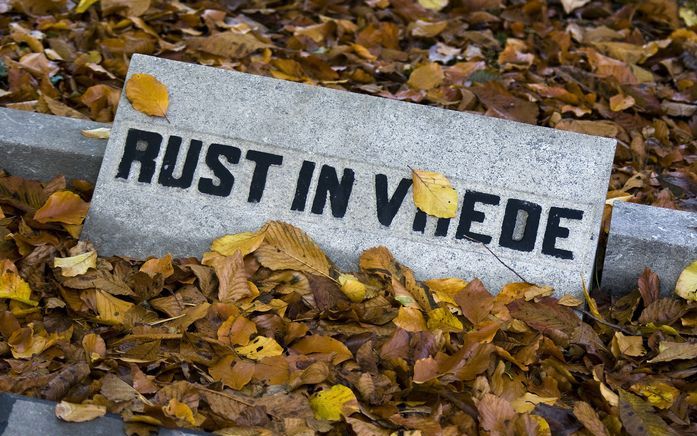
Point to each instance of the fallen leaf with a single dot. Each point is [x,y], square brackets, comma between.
[62,207]
[177,409]
[72,412]
[572,5]
[228,44]
[427,76]
[94,346]
[410,319]
[12,286]
[162,266]
[434,194]
[668,351]
[98,133]
[76,265]
[686,286]
[333,403]
[352,287]
[259,348]
[147,95]
[657,393]
[84,5]
[639,418]
[288,247]
[245,242]
[323,344]
[632,346]
[585,413]
[442,319]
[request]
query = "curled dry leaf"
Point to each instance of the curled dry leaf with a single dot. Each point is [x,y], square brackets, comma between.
[434,194]
[98,133]
[72,412]
[14,287]
[147,95]
[62,207]
[352,287]
[76,265]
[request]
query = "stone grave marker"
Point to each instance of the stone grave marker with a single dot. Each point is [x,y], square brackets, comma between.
[237,150]
[664,240]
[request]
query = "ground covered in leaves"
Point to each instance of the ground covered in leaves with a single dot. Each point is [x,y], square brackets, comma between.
[264,335]
[626,70]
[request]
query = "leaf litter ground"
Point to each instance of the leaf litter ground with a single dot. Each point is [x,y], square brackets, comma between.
[247,340]
[264,335]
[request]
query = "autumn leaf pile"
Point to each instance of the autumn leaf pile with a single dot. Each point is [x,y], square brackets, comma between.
[626,70]
[264,335]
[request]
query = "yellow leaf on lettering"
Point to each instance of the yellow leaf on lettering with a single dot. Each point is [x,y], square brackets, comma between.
[147,95]
[434,194]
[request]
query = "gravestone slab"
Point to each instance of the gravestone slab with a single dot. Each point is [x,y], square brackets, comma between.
[237,150]
[21,415]
[40,146]
[665,240]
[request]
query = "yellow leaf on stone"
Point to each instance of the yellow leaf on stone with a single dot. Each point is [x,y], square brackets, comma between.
[62,207]
[260,347]
[686,286]
[84,5]
[72,412]
[98,133]
[632,346]
[410,319]
[352,288]
[434,5]
[427,76]
[330,404]
[434,194]
[76,265]
[177,409]
[162,266]
[14,287]
[245,242]
[147,95]
[443,319]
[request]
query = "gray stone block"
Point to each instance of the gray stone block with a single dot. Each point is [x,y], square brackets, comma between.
[296,138]
[665,240]
[39,146]
[20,416]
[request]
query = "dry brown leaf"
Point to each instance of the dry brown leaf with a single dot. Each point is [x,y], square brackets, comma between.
[288,247]
[62,207]
[71,412]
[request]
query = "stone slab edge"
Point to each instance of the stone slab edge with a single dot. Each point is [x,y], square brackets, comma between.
[40,146]
[665,240]
[21,415]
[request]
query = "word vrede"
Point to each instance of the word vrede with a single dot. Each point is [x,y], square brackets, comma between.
[238,150]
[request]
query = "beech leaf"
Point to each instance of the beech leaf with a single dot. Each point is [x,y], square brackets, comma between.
[288,247]
[147,95]
[333,403]
[72,412]
[62,207]
[434,194]
[686,286]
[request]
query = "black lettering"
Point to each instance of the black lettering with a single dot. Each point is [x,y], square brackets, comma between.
[468,215]
[442,227]
[532,222]
[143,147]
[339,191]
[419,224]
[388,207]
[555,231]
[303,185]
[170,161]
[261,171]
[227,180]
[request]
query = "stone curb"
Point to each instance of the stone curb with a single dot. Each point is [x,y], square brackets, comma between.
[21,415]
[665,240]
[39,146]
